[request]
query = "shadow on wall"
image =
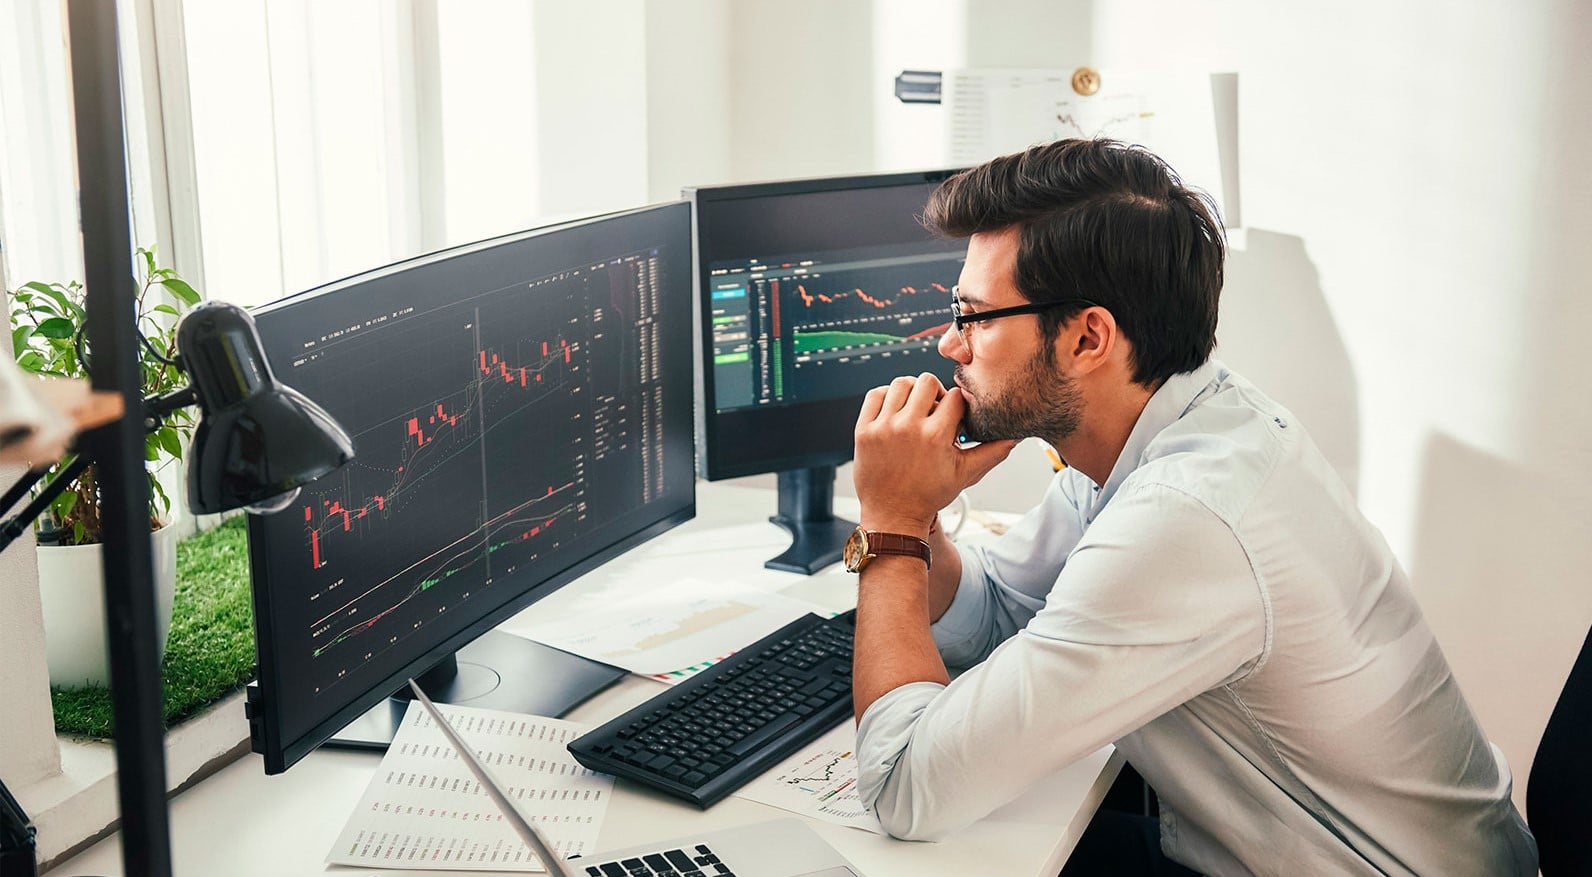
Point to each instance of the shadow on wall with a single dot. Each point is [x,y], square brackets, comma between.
[1509,595]
[1502,563]
[1276,330]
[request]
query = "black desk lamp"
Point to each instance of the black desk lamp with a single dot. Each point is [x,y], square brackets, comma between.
[257,440]
[241,459]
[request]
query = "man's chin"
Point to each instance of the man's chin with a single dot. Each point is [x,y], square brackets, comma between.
[974,431]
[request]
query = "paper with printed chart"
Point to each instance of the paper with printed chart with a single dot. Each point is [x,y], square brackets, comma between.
[659,627]
[820,781]
[424,809]
[994,111]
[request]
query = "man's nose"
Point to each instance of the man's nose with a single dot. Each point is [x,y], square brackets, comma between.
[951,346]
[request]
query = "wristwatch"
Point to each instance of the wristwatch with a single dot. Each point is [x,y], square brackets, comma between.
[864,545]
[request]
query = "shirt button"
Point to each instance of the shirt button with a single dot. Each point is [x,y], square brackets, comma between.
[1281,424]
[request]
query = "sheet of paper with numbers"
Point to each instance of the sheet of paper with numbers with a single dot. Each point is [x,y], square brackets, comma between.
[424,809]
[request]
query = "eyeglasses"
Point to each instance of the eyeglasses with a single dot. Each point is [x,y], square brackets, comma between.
[960,320]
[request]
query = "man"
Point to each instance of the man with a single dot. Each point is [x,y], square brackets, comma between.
[1196,587]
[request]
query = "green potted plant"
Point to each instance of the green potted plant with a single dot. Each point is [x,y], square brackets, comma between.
[46,338]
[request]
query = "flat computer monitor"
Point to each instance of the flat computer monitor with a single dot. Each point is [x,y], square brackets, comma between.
[810,293]
[521,412]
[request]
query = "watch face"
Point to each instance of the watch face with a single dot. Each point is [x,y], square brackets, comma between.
[856,550]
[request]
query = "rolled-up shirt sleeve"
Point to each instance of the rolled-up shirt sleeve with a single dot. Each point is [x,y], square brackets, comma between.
[1004,584]
[1156,605]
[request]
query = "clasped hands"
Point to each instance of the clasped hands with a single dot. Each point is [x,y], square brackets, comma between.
[908,465]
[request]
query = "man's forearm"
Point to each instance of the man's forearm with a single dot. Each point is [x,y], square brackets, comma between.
[893,643]
[945,575]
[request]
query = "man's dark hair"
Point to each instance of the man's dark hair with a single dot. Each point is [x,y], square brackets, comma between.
[1107,222]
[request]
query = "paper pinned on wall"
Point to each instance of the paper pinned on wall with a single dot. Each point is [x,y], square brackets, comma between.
[993,112]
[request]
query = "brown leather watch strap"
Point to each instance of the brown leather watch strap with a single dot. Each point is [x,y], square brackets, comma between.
[898,543]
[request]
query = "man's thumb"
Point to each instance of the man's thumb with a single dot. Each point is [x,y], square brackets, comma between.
[976,462]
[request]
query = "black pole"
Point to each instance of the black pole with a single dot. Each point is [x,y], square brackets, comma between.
[118,447]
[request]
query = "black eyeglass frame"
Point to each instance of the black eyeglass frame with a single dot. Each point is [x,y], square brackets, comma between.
[960,320]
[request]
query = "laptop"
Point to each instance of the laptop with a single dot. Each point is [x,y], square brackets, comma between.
[777,848]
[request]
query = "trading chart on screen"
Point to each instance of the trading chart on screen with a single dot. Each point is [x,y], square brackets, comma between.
[826,325]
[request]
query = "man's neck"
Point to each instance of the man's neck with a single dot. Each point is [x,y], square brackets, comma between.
[1108,419]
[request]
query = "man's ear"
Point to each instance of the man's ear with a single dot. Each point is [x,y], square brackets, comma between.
[1089,340]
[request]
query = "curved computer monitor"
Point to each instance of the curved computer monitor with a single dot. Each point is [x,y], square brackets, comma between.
[521,412]
[810,293]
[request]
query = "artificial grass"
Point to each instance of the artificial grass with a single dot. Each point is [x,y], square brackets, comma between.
[210,652]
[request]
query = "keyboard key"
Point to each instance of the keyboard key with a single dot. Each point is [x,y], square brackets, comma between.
[769,731]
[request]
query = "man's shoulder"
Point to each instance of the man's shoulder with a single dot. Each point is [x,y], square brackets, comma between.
[1224,449]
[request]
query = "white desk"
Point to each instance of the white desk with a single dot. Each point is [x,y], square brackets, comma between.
[242,823]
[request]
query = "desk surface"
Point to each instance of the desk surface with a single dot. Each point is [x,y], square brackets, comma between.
[241,822]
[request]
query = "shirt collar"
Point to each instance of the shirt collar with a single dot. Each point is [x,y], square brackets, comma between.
[1167,405]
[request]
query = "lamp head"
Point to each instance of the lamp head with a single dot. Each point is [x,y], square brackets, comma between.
[257,440]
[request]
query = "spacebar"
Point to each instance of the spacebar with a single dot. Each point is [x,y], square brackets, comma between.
[773,729]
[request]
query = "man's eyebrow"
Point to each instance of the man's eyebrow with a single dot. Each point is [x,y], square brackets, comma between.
[968,298]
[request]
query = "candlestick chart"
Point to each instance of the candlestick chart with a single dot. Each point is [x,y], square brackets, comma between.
[488,434]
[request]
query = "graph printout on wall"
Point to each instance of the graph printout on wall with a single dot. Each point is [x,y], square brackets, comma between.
[993,112]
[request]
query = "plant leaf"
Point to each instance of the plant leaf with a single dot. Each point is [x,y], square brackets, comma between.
[170,441]
[181,290]
[19,341]
[67,305]
[57,327]
[159,493]
[31,361]
[67,503]
[151,449]
[149,259]
[166,309]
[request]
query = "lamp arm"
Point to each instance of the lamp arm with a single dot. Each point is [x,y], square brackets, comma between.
[155,410]
[17,524]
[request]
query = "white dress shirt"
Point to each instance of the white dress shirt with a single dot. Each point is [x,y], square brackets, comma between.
[1220,610]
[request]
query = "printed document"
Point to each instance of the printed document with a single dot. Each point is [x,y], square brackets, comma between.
[820,781]
[424,808]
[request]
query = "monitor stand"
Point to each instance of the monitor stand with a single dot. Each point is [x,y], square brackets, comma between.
[807,510]
[497,671]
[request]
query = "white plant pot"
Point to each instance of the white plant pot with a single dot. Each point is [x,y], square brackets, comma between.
[72,591]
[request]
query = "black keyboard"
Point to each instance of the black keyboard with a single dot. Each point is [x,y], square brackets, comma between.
[715,732]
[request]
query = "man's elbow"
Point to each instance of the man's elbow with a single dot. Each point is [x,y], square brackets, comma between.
[906,816]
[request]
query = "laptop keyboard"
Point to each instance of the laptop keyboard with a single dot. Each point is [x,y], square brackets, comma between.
[699,862]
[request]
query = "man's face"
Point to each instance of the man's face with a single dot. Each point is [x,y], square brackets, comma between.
[1013,388]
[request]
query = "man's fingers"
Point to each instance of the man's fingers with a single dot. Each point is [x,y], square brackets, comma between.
[952,407]
[925,392]
[896,395]
[871,405]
